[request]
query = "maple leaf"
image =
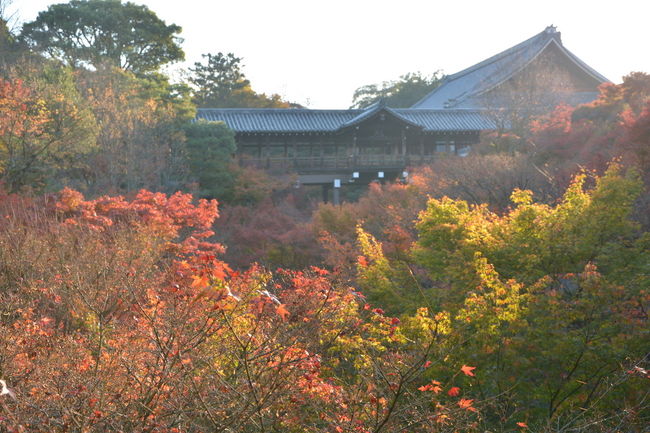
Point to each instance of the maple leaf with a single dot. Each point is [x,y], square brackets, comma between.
[467,370]
[453,391]
[220,272]
[282,311]
[363,262]
[199,282]
[433,386]
[465,403]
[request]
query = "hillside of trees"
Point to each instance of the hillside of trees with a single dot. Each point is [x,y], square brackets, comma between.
[150,284]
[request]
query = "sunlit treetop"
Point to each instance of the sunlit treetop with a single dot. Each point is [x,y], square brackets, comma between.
[96,33]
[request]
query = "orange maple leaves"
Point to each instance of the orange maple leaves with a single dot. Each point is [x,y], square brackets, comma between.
[21,113]
[159,214]
[282,312]
[467,370]
[466,404]
[433,386]
[363,262]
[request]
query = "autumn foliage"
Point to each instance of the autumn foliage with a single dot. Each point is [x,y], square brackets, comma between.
[505,291]
[118,315]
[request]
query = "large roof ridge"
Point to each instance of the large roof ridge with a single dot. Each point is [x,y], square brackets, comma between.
[464,86]
[547,34]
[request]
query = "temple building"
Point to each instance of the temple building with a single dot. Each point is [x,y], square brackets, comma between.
[379,141]
[539,70]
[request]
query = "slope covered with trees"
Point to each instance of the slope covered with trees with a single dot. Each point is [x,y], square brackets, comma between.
[507,291]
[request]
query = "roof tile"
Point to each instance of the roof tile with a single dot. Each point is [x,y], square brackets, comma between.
[288,120]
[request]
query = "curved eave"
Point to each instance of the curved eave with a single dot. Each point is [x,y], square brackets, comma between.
[582,65]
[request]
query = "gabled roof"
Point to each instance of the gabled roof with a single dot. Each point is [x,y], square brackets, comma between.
[292,120]
[374,109]
[459,89]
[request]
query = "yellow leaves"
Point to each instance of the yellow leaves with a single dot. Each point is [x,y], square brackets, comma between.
[495,302]
[421,325]
[370,247]
[521,197]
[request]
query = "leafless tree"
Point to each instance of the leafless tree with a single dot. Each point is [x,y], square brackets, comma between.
[537,88]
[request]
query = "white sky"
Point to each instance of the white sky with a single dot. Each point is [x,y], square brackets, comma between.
[318,53]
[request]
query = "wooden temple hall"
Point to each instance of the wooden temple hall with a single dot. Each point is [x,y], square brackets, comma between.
[330,147]
[323,145]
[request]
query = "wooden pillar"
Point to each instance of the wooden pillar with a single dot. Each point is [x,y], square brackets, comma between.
[326,192]
[421,147]
[355,150]
[336,153]
[321,152]
[267,152]
[295,152]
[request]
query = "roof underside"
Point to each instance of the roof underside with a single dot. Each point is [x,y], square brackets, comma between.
[460,89]
[281,120]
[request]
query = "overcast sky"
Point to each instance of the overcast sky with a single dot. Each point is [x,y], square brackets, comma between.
[318,53]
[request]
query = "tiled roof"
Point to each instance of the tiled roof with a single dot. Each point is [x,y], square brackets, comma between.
[457,90]
[291,120]
[278,119]
[373,109]
[448,120]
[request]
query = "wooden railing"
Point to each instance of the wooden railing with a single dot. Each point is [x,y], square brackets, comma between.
[335,162]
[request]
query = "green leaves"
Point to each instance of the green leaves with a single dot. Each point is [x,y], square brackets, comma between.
[210,148]
[105,32]
[530,302]
[406,91]
[221,83]
[531,240]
